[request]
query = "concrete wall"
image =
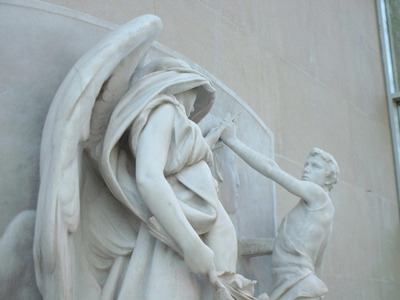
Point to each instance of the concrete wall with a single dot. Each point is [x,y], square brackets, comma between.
[312,71]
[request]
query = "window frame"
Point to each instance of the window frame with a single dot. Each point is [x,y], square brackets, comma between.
[393,97]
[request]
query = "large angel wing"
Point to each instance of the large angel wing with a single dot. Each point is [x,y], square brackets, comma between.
[103,73]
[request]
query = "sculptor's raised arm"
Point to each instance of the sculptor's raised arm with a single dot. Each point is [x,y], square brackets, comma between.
[310,192]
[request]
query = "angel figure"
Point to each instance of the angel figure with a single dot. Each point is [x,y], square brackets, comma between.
[128,208]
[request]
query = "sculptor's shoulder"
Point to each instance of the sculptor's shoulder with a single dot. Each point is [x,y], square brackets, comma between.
[315,196]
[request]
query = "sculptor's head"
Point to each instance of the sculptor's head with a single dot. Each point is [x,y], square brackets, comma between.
[321,168]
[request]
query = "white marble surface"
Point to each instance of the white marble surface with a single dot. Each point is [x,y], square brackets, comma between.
[46,75]
[17,273]
[305,232]
[299,80]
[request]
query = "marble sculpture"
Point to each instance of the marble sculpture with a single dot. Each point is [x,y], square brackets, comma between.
[304,233]
[128,206]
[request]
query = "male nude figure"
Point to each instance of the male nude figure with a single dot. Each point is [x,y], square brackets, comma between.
[305,231]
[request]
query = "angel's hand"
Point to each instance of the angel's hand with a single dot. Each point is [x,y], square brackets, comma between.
[200,259]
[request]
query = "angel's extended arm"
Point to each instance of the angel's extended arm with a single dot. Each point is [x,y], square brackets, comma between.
[151,158]
[308,191]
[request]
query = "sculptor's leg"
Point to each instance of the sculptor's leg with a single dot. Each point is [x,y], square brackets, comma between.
[222,240]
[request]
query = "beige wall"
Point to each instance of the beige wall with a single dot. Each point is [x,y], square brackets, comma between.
[312,71]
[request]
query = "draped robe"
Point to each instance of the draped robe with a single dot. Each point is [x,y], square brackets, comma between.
[124,260]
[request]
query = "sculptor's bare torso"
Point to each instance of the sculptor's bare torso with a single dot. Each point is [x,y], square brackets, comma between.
[310,228]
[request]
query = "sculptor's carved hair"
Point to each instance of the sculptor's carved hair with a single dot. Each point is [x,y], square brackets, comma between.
[334,170]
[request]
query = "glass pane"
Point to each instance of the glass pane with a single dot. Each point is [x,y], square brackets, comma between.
[393,17]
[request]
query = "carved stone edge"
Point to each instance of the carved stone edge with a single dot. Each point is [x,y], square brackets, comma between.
[256,247]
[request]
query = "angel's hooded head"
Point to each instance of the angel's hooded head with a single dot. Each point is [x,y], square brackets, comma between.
[169,75]
[161,76]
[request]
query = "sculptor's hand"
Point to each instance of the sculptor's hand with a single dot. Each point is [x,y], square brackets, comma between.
[213,136]
[229,135]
